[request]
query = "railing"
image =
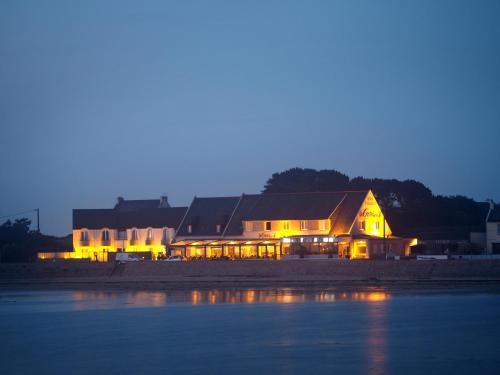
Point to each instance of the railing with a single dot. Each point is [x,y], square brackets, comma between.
[149,241]
[105,242]
[133,242]
[84,242]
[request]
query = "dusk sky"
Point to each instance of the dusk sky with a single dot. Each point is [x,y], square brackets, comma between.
[137,98]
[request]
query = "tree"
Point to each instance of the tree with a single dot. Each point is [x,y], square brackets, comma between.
[302,180]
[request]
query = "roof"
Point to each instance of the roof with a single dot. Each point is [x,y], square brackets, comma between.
[205,214]
[343,206]
[115,219]
[137,204]
[494,216]
[295,206]
[345,214]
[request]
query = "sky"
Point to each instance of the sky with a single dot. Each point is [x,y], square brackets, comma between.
[100,99]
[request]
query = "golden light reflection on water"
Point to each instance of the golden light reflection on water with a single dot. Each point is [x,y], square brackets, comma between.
[83,300]
[377,354]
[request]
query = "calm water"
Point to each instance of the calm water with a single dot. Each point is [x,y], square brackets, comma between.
[278,331]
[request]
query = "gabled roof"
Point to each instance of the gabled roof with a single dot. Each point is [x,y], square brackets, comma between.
[345,214]
[136,204]
[294,206]
[116,219]
[245,205]
[494,216]
[205,214]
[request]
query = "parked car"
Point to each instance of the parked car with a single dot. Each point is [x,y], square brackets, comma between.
[127,257]
[174,258]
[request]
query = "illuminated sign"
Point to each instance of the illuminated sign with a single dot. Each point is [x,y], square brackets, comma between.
[367,213]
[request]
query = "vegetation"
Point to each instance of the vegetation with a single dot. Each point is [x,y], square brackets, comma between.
[409,205]
[19,244]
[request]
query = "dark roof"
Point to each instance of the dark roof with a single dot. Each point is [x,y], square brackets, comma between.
[137,204]
[205,214]
[294,206]
[494,216]
[245,205]
[116,219]
[345,214]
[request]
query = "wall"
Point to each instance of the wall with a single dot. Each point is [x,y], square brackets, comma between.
[371,214]
[492,236]
[255,229]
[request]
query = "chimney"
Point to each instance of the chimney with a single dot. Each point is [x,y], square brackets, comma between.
[164,201]
[119,201]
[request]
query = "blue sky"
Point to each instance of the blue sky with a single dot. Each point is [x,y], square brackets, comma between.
[138,98]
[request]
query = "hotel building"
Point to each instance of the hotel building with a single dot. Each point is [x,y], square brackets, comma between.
[347,224]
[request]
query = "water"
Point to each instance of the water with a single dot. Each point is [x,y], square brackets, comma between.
[278,331]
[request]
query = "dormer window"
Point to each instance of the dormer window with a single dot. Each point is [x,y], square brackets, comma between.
[218,228]
[303,225]
[267,226]
[190,228]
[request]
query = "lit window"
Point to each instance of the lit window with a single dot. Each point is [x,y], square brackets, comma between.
[217,228]
[362,225]
[190,228]
[149,235]
[303,225]
[323,225]
[286,225]
[267,225]
[376,225]
[105,235]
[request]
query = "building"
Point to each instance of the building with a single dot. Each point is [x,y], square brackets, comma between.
[145,227]
[493,231]
[347,224]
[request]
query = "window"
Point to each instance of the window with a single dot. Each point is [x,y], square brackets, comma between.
[190,228]
[362,225]
[267,225]
[498,229]
[217,228]
[105,235]
[149,235]
[303,225]
[286,225]
[165,234]
[84,235]
[376,225]
[323,225]
[134,235]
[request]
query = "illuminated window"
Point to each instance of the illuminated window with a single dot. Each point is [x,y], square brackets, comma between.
[362,225]
[323,225]
[217,228]
[149,235]
[303,225]
[286,225]
[248,226]
[267,225]
[376,225]
[105,235]
[190,228]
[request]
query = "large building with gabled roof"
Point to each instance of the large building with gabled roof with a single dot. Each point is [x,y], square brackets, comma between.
[346,224]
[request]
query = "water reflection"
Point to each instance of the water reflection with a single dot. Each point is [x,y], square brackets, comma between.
[377,356]
[83,300]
